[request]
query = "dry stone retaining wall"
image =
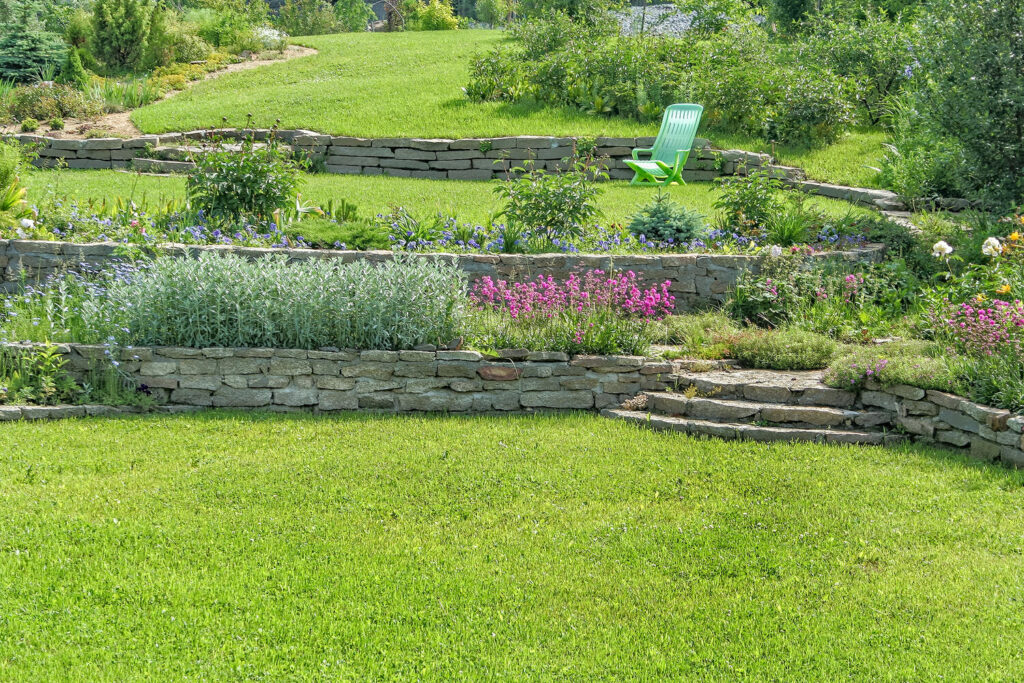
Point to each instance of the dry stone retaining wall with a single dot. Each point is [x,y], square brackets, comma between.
[399,381]
[437,159]
[698,280]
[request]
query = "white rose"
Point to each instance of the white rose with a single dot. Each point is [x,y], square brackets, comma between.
[992,247]
[775,251]
[941,248]
[28,223]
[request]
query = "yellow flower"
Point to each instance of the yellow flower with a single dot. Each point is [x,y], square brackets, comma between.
[980,298]
[1005,289]
[1014,236]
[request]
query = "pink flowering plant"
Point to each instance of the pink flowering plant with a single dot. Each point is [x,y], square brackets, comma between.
[596,312]
[981,328]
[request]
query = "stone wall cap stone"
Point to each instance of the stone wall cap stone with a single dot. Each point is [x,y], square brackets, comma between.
[459,355]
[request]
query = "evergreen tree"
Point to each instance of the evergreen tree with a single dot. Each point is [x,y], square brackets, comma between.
[73,73]
[26,50]
[121,32]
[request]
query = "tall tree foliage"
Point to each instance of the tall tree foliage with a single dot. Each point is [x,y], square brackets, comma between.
[121,32]
[27,50]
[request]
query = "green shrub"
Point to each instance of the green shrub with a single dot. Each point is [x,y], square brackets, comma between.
[27,50]
[494,12]
[72,72]
[189,47]
[353,15]
[29,125]
[35,375]
[969,105]
[250,183]
[121,32]
[307,18]
[42,102]
[793,225]
[783,349]
[662,220]
[430,15]
[269,303]
[750,202]
[12,162]
[56,123]
[875,50]
[552,205]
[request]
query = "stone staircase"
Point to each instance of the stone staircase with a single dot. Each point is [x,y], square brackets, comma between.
[759,405]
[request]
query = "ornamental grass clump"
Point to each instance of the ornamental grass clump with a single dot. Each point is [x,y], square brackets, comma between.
[595,313]
[231,301]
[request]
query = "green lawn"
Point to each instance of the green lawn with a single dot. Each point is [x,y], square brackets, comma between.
[468,200]
[410,85]
[374,85]
[259,546]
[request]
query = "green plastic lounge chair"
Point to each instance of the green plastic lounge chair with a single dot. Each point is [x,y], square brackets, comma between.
[671,147]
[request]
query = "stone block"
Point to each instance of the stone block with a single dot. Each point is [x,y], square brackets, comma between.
[243,366]
[906,391]
[191,366]
[944,400]
[435,401]
[371,370]
[296,396]
[953,437]
[380,356]
[984,449]
[557,399]
[459,355]
[336,383]
[338,400]
[205,382]
[158,368]
[957,419]
[457,369]
[265,381]
[499,373]
[290,366]
[879,399]
[192,397]
[229,397]
[547,357]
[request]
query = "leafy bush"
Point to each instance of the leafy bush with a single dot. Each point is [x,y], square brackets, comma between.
[876,51]
[121,32]
[46,102]
[27,50]
[970,105]
[269,303]
[494,12]
[430,15]
[307,17]
[56,123]
[663,220]
[36,374]
[595,313]
[587,12]
[252,182]
[29,125]
[783,349]
[552,205]
[11,162]
[353,15]
[747,83]
[750,202]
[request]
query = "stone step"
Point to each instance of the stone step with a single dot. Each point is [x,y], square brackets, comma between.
[750,432]
[732,410]
[161,166]
[765,386]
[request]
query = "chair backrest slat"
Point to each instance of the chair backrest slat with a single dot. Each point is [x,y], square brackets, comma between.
[678,129]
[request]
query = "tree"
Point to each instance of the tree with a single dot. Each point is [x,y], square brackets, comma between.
[27,51]
[121,32]
[73,73]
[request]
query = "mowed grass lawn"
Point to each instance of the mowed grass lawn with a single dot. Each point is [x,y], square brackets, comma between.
[260,546]
[469,201]
[410,85]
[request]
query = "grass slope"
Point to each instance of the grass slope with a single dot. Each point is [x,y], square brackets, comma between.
[373,85]
[410,85]
[297,547]
[467,200]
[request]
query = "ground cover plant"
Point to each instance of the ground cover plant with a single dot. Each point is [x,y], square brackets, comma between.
[440,547]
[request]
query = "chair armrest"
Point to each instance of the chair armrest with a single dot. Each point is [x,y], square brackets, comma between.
[642,151]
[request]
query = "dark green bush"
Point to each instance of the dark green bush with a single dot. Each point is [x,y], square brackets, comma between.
[307,18]
[963,131]
[27,50]
[121,32]
[663,220]
[876,51]
[72,72]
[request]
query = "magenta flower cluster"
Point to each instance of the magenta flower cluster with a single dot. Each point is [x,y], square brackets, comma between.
[985,330]
[546,297]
